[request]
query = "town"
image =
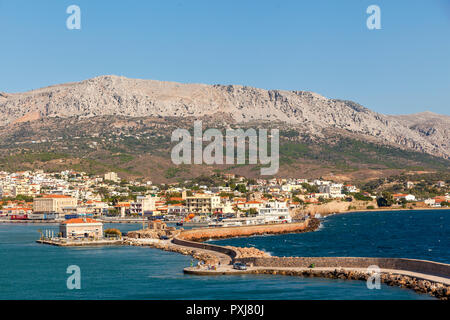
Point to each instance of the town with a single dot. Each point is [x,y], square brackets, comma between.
[222,200]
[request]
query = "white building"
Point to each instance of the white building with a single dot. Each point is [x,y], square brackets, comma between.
[143,204]
[112,176]
[275,212]
[334,190]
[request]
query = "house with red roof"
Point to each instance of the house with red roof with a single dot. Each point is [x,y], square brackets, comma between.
[81,228]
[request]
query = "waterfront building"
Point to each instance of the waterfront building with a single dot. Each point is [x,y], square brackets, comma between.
[202,203]
[275,212]
[81,228]
[333,189]
[53,203]
[143,205]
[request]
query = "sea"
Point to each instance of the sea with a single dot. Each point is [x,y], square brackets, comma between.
[31,271]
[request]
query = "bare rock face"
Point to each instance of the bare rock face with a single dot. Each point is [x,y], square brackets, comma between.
[431,126]
[311,112]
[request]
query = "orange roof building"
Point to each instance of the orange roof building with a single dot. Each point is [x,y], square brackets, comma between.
[81,228]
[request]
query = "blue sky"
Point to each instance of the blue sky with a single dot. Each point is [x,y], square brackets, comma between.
[321,46]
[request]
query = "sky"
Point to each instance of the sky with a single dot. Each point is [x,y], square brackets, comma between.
[320,46]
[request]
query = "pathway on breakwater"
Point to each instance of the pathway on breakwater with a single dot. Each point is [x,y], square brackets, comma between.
[228,270]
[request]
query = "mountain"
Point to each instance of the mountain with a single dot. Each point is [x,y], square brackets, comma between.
[120,109]
[431,126]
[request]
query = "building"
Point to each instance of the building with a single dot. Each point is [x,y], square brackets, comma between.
[409,184]
[177,210]
[275,212]
[81,228]
[333,189]
[407,197]
[29,190]
[143,204]
[53,203]
[112,176]
[351,188]
[202,203]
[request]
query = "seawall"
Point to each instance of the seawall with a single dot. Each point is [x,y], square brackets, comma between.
[204,234]
[418,266]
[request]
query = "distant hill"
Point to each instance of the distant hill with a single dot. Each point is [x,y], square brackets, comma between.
[125,124]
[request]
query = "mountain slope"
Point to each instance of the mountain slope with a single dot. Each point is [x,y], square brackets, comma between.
[309,113]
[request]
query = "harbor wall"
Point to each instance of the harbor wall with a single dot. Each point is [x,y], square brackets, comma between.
[419,266]
[204,234]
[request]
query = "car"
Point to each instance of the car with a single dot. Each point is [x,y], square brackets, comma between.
[239,266]
[164,237]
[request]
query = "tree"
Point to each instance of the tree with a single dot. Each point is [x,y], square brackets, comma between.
[241,188]
[113,233]
[382,202]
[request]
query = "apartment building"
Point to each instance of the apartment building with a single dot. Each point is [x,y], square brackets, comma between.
[30,190]
[275,212]
[333,189]
[112,176]
[202,203]
[143,204]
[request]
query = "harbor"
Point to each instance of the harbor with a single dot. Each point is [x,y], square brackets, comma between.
[421,276]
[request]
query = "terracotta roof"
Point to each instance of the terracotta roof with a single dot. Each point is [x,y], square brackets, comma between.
[55,196]
[80,220]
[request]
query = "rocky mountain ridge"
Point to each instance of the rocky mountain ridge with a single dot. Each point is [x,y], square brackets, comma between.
[306,112]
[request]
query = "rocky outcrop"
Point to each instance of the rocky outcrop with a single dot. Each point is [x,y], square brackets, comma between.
[248,252]
[201,255]
[155,230]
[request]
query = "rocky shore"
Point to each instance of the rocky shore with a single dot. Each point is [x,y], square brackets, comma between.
[200,255]
[249,252]
[437,290]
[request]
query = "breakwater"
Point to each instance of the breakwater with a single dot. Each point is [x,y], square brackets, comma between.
[392,278]
[419,275]
[418,266]
[204,234]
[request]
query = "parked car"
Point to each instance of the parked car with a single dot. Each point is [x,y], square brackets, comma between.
[239,266]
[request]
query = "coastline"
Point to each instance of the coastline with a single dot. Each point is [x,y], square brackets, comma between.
[382,210]
[188,242]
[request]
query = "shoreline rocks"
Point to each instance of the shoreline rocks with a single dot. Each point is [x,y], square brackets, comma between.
[438,290]
[195,253]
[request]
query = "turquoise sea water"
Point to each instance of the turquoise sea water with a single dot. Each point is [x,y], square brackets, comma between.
[33,271]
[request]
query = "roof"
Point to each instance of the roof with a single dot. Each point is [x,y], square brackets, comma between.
[55,196]
[80,220]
